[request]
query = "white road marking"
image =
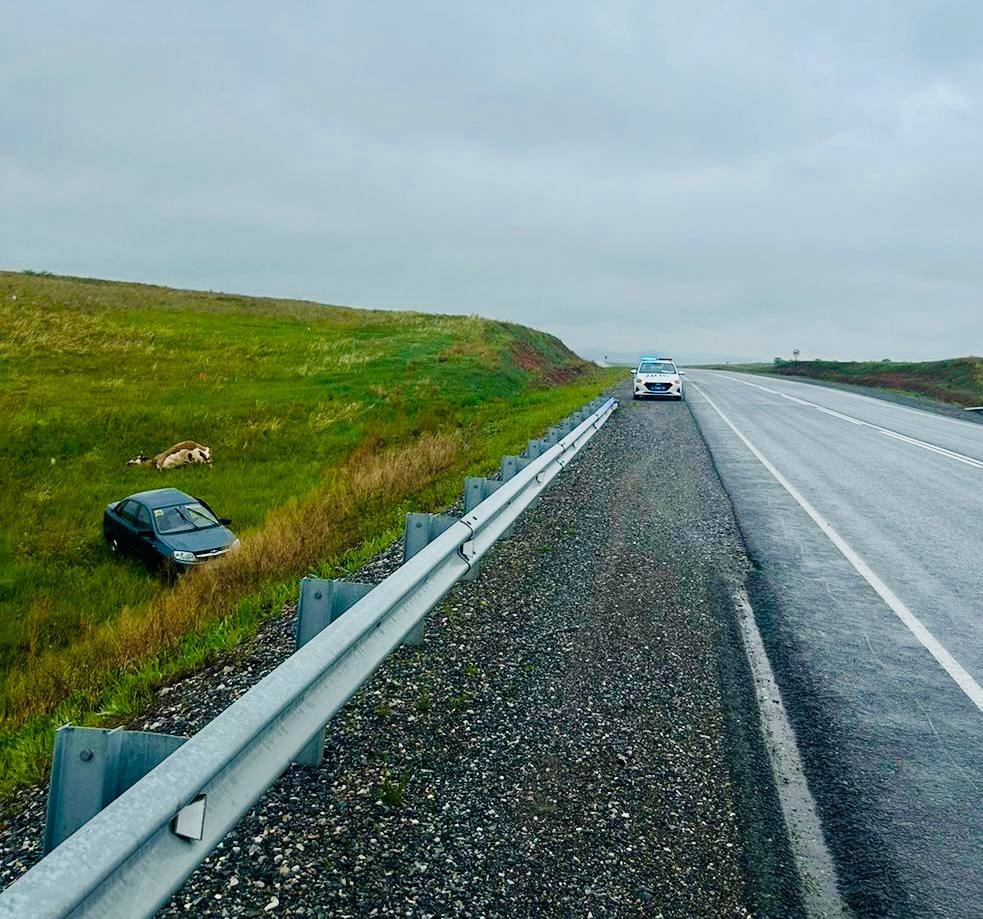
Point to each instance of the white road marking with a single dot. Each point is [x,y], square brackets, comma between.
[894,406]
[942,451]
[972,689]
[805,831]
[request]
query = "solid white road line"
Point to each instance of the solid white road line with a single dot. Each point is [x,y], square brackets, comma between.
[805,830]
[963,680]
[958,457]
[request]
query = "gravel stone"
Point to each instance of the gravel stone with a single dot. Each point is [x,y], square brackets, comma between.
[558,747]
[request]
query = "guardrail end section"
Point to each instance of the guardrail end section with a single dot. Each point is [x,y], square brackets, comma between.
[91,768]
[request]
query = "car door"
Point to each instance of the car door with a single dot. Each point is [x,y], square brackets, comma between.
[127,526]
[123,526]
[144,533]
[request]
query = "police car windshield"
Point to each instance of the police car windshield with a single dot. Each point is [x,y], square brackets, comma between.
[656,367]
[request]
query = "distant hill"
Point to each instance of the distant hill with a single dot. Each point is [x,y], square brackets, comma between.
[958,380]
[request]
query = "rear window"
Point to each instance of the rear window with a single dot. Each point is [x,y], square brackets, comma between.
[656,367]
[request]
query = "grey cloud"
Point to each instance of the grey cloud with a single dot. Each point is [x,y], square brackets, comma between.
[731,177]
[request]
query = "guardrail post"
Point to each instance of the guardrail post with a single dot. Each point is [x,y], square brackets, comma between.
[513,465]
[510,467]
[321,602]
[475,491]
[534,450]
[421,530]
[91,768]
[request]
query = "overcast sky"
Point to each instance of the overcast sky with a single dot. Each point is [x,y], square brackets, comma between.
[729,178]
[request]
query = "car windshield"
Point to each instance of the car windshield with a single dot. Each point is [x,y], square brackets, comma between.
[656,367]
[183,518]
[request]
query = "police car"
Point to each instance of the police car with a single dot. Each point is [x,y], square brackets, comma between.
[658,378]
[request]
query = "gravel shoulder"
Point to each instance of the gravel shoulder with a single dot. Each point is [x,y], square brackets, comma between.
[577,736]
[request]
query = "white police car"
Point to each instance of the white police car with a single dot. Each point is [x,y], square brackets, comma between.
[658,378]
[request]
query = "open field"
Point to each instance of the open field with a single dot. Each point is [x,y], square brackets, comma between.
[326,424]
[958,380]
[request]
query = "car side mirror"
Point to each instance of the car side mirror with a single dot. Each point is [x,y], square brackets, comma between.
[225,521]
[633,370]
[682,373]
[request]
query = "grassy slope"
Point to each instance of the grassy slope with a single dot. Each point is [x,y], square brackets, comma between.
[958,380]
[326,424]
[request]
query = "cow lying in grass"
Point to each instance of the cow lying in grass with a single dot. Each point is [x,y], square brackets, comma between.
[183,454]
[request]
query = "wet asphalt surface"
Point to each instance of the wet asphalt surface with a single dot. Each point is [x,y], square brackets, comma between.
[577,736]
[892,747]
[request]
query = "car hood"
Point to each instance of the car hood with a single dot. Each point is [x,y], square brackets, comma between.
[200,540]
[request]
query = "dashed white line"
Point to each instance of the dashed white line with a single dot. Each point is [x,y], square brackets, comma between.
[934,448]
[972,689]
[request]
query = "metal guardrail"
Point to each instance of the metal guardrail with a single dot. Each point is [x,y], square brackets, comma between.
[132,855]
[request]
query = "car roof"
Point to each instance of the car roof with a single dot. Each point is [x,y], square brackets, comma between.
[161,497]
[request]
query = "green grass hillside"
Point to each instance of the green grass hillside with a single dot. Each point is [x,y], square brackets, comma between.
[326,424]
[958,380]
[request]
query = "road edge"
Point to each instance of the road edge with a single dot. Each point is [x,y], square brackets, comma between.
[767,751]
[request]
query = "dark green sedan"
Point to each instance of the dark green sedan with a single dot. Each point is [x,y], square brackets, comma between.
[167,529]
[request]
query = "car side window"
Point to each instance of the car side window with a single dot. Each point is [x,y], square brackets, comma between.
[143,518]
[126,511]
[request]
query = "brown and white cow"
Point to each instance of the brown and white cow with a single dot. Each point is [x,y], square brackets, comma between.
[183,454]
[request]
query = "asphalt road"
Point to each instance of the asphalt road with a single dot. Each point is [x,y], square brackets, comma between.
[864,522]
